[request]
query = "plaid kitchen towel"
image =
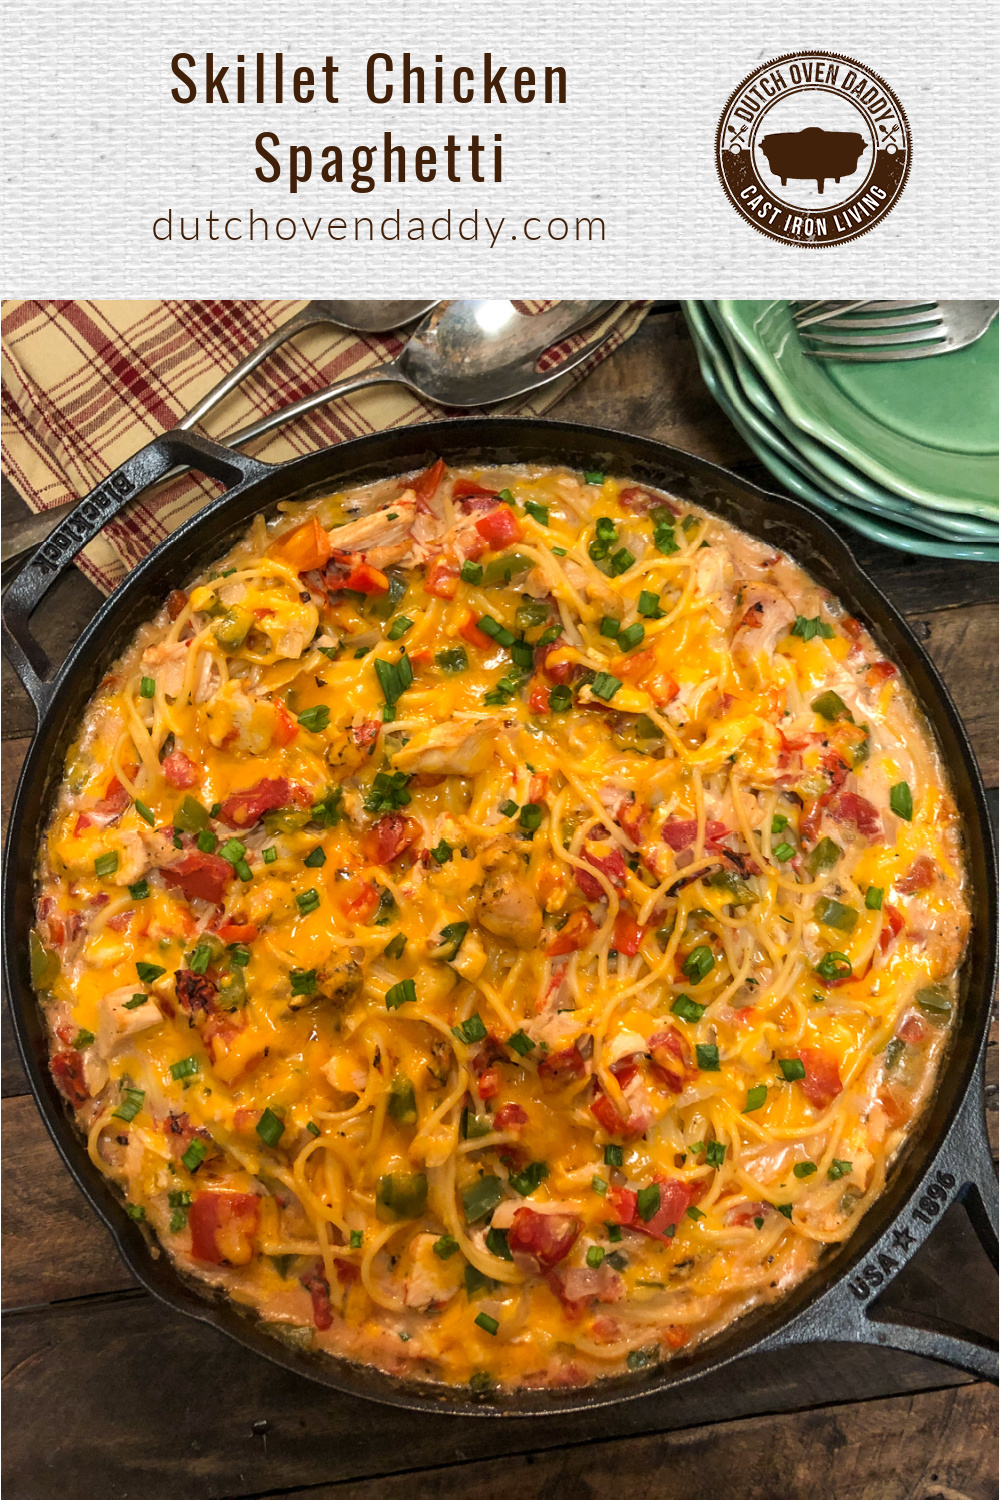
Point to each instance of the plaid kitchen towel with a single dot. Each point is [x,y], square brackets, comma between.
[86,384]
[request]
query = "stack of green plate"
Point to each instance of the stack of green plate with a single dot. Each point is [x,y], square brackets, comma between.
[904,452]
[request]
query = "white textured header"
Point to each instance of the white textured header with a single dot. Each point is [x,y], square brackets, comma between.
[115,188]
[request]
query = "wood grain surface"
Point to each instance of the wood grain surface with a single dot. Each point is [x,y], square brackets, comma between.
[110,1394]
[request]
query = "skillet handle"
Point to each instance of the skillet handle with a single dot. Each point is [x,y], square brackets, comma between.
[962,1171]
[49,561]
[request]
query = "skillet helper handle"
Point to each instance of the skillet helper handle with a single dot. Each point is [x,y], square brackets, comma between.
[49,561]
[961,1171]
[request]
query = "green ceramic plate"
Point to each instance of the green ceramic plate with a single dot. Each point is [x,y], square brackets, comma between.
[840,479]
[920,456]
[769,449]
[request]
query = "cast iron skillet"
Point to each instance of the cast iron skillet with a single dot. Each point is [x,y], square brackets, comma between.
[948,1157]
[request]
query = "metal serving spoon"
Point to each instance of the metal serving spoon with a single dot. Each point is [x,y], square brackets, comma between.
[464,353]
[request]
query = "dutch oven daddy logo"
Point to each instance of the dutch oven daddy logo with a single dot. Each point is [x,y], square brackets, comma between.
[813,149]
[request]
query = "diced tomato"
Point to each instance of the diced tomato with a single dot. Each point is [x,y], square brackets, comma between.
[176,603]
[470,631]
[83,822]
[363,904]
[912,1030]
[510,1117]
[633,666]
[898,1106]
[364,735]
[285,728]
[810,821]
[67,1070]
[628,935]
[538,788]
[837,769]
[468,489]
[576,934]
[361,577]
[919,877]
[318,1287]
[639,500]
[499,527]
[670,1065]
[632,818]
[223,1227]
[563,1065]
[852,627]
[852,808]
[201,877]
[114,801]
[675,1200]
[682,832]
[879,672]
[559,671]
[607,1116]
[389,837]
[589,885]
[488,1083]
[238,932]
[442,578]
[538,697]
[621,1202]
[347,1271]
[308,546]
[244,809]
[893,923]
[425,486]
[179,770]
[662,688]
[744,1214]
[612,864]
[821,1084]
[540,1241]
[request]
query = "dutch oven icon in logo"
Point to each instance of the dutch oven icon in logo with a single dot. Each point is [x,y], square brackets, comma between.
[813,149]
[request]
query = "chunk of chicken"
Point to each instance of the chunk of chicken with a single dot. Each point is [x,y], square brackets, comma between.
[429,1281]
[763,615]
[166,663]
[335,986]
[384,536]
[507,907]
[460,748]
[594,586]
[117,1025]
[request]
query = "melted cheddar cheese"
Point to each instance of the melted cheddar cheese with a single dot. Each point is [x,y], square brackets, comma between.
[500,925]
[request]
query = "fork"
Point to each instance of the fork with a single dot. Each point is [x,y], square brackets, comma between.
[885,331]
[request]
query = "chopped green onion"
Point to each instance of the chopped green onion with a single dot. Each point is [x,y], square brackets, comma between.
[699,963]
[560,699]
[593,476]
[394,948]
[621,561]
[708,1058]
[595,1254]
[454,659]
[243,870]
[531,1178]
[387,793]
[130,1105]
[649,605]
[520,1043]
[506,496]
[139,891]
[270,854]
[838,1169]
[550,636]
[400,625]
[694,1213]
[614,1156]
[200,958]
[270,1128]
[473,1127]
[784,852]
[488,1324]
[539,513]
[472,572]
[400,994]
[496,1244]
[632,637]
[445,1247]
[315,859]
[135,1211]
[778,822]
[901,800]
[145,813]
[303,981]
[715,1153]
[804,1168]
[530,816]
[508,808]
[834,966]
[357,1239]
[522,655]
[207,841]
[147,687]
[614,1237]
[84,1038]
[600,1186]
[610,626]
[307,901]
[664,539]
[450,939]
[105,864]
[792,1068]
[233,851]
[470,1031]
[402,1106]
[314,1129]
[186,1068]
[239,955]
[873,898]
[496,631]
[835,914]
[687,1009]
[647,1201]
[558,551]
[605,686]
[755,1098]
[783,1208]
[149,972]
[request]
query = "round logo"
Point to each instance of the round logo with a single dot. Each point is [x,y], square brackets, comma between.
[813,149]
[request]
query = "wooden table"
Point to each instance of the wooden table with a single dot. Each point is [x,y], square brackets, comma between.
[109,1394]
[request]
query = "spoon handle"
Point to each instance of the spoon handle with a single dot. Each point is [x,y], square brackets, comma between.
[387,374]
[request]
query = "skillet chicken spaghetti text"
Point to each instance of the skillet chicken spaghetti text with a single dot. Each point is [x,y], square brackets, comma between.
[500,925]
